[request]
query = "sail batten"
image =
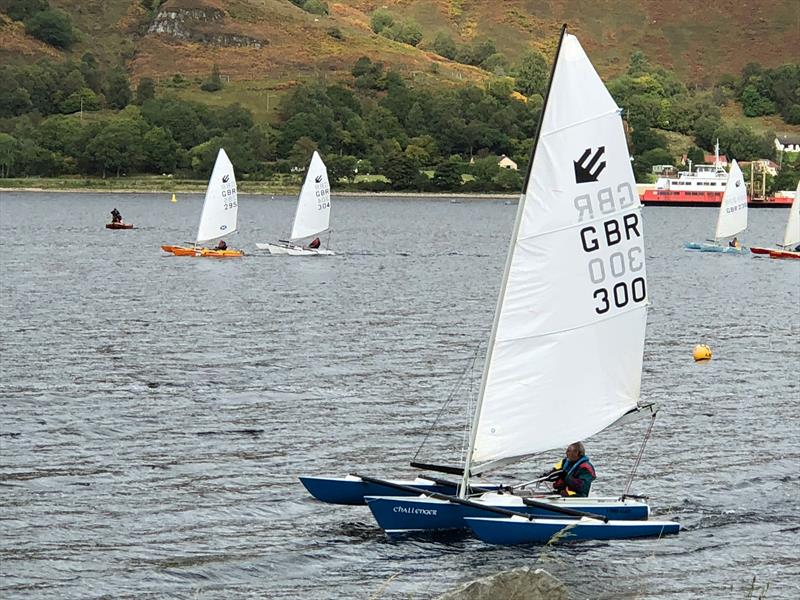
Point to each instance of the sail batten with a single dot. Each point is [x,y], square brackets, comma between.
[565,357]
[583,325]
[568,126]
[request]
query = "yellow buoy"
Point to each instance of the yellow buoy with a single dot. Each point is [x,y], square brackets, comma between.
[174,199]
[701,353]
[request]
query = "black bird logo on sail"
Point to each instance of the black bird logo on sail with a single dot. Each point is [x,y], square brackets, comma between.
[589,172]
[318,178]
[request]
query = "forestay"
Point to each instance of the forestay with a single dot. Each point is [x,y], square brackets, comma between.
[221,205]
[314,205]
[565,360]
[732,217]
[791,236]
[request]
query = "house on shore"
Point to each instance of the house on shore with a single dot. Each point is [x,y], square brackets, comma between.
[506,163]
[788,143]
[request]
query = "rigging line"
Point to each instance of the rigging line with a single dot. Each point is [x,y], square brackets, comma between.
[469,408]
[639,457]
[449,399]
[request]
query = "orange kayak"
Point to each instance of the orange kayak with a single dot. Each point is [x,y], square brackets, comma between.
[201,252]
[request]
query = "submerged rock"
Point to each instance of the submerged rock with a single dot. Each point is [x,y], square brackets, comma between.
[523,583]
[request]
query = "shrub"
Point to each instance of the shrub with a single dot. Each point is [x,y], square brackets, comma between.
[52,27]
[381,19]
[316,7]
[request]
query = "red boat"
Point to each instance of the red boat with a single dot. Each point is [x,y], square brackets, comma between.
[702,187]
[119,225]
[668,198]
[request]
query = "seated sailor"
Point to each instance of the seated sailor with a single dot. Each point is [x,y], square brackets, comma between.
[572,475]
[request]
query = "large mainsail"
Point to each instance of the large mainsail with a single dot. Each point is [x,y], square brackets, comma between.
[565,357]
[791,236]
[732,217]
[314,204]
[221,204]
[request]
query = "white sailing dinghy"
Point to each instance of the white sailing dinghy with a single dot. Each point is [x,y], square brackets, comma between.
[565,354]
[312,216]
[790,248]
[219,216]
[732,218]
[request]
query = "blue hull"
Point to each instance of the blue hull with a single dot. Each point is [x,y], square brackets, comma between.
[702,247]
[517,530]
[341,490]
[397,514]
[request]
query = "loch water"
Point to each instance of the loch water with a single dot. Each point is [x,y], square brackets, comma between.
[158,410]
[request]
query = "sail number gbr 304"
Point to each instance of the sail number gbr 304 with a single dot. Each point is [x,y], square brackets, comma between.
[614,247]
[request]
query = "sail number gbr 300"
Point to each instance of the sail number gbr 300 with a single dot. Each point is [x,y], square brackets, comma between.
[616,263]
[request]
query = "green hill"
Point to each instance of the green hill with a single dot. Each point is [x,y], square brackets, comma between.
[277,42]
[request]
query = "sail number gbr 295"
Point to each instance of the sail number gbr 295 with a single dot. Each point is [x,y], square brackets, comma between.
[618,276]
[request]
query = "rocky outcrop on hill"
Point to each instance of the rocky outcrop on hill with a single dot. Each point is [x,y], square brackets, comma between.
[202,25]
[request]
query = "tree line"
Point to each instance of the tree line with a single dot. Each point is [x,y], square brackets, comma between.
[376,123]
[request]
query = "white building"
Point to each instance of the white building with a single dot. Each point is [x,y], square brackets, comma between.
[788,143]
[507,163]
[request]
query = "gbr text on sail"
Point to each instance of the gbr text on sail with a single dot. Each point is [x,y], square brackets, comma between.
[613,246]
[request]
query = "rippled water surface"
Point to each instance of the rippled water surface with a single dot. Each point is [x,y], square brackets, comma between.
[157,411]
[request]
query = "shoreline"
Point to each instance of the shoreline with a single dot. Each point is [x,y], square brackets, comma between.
[277,192]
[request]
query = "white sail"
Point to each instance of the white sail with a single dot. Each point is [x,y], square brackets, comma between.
[314,204]
[221,205]
[732,217]
[792,235]
[565,360]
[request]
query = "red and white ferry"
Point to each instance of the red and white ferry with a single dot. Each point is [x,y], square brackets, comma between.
[702,187]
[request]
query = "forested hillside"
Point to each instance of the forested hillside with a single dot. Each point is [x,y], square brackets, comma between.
[419,95]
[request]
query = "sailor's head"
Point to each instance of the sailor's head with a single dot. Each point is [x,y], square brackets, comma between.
[575,451]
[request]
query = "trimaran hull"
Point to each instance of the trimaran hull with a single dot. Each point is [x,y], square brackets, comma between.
[352,490]
[404,514]
[519,530]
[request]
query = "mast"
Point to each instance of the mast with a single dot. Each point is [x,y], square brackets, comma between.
[473,434]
